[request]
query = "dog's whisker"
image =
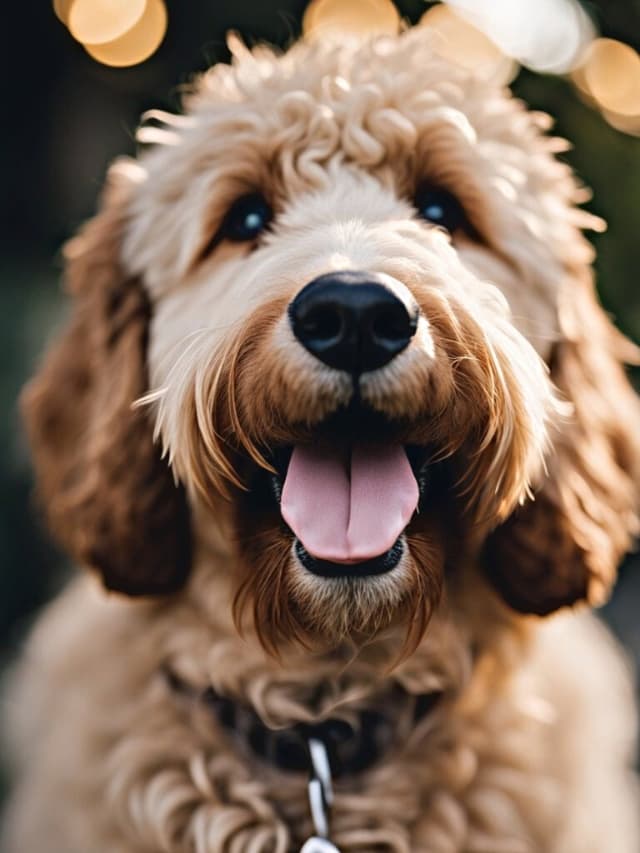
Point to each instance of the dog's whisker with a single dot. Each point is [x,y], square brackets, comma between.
[166,118]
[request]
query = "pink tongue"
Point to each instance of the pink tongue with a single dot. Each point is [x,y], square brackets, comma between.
[351,506]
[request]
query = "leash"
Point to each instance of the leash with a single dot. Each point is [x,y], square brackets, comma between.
[320,791]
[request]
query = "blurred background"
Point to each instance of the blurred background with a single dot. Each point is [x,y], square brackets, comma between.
[78,74]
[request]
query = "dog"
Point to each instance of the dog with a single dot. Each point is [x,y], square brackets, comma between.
[338,422]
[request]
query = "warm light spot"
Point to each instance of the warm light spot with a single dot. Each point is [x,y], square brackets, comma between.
[362,17]
[100,21]
[460,42]
[610,73]
[139,43]
[62,9]
[623,123]
[580,81]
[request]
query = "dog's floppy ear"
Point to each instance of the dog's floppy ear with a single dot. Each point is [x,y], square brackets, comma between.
[565,546]
[109,497]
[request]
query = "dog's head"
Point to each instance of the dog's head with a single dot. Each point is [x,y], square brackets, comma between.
[340,325]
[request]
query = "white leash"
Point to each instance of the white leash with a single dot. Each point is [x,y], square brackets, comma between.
[320,791]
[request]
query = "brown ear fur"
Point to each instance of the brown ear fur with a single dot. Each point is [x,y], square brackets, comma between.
[565,546]
[110,498]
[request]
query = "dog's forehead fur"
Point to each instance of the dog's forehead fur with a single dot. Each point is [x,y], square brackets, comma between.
[391,107]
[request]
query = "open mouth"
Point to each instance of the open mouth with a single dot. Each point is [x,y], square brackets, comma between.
[349,495]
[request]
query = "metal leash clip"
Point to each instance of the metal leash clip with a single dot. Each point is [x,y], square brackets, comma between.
[320,790]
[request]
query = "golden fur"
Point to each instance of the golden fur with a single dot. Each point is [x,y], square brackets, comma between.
[177,377]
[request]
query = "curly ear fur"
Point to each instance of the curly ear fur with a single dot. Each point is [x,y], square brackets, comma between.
[565,546]
[109,497]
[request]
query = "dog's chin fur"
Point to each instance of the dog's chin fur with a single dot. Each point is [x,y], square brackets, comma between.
[289,603]
[161,414]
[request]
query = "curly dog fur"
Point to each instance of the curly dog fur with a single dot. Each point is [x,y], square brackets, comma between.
[158,410]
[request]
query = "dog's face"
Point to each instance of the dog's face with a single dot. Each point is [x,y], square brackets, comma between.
[364,336]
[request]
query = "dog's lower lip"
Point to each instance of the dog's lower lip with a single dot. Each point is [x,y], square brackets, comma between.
[379,565]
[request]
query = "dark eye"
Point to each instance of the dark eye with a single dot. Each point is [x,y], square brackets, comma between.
[246,219]
[441,207]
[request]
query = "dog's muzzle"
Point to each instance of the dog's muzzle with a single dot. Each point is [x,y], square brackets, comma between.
[349,500]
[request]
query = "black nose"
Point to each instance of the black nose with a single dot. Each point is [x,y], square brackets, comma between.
[352,321]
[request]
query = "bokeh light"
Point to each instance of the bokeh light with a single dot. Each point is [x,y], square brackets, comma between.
[611,75]
[489,38]
[350,16]
[545,35]
[62,9]
[100,21]
[459,41]
[624,123]
[138,43]
[119,33]
[608,78]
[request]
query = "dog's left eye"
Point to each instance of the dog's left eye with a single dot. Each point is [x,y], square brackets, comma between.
[441,207]
[246,219]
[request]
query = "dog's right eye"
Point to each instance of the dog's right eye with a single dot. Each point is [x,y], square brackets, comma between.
[246,219]
[440,207]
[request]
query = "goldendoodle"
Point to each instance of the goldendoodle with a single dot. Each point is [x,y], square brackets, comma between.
[338,421]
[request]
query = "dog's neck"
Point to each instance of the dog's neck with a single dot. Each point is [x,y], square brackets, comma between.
[356,738]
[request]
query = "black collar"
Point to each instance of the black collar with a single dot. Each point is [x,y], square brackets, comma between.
[352,747]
